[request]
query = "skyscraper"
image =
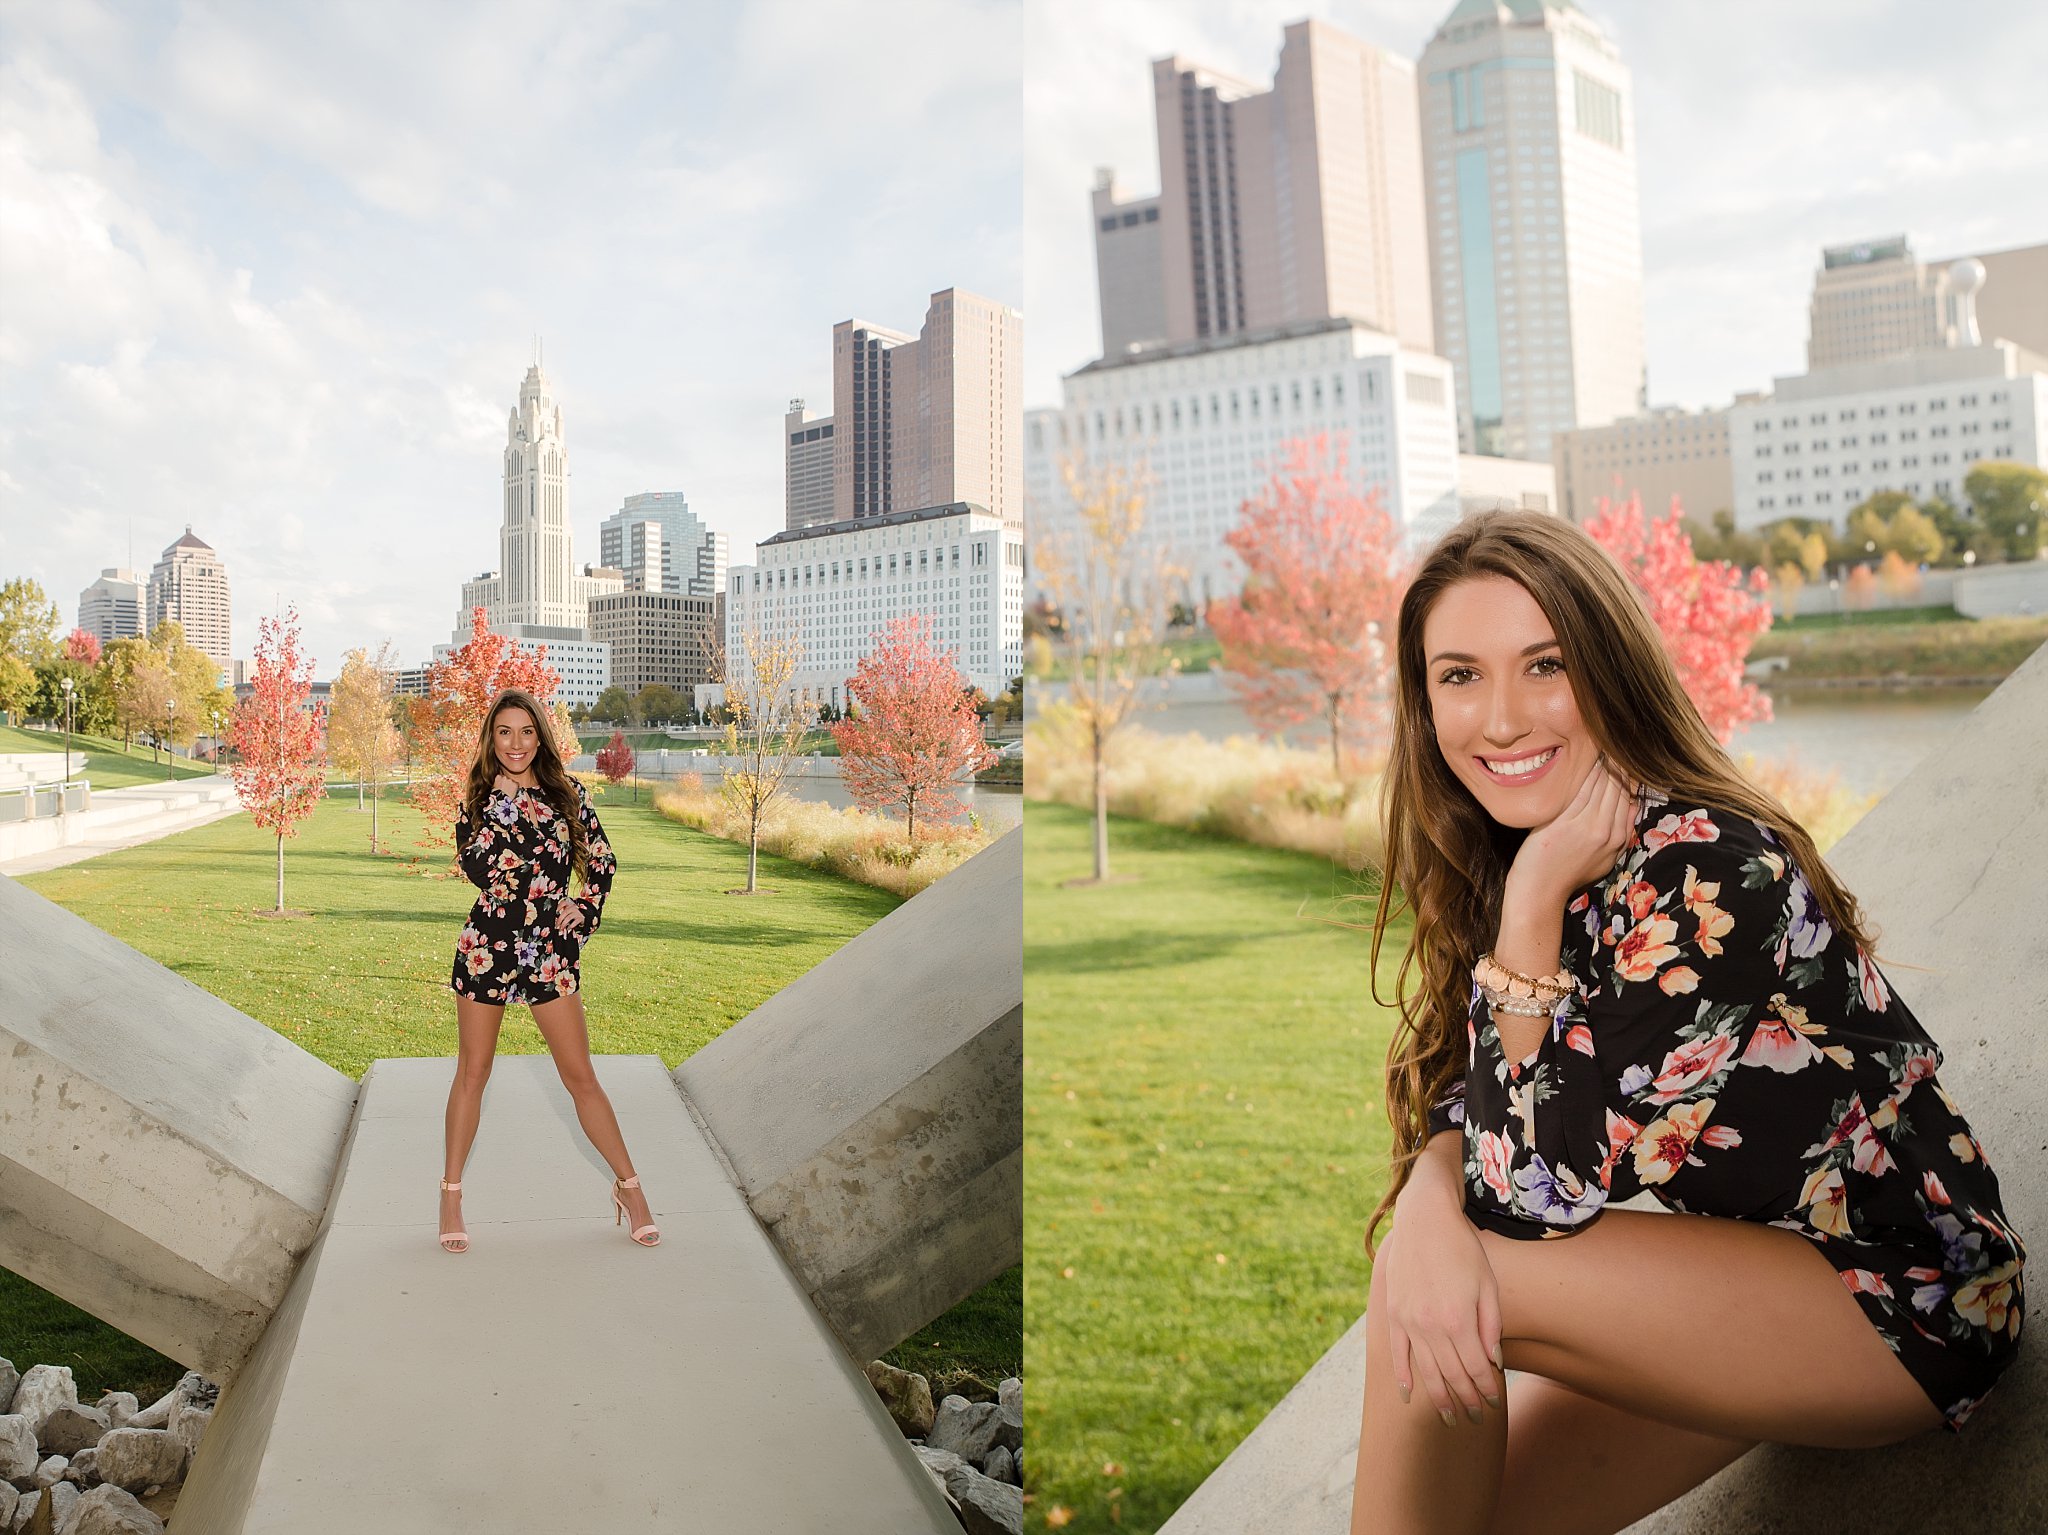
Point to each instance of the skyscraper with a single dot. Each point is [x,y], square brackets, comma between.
[112,607]
[685,556]
[1528,139]
[931,419]
[1302,201]
[1129,268]
[807,474]
[189,586]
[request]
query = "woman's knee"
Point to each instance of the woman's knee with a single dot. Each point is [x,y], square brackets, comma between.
[472,1072]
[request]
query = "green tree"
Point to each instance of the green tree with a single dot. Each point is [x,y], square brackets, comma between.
[614,704]
[28,622]
[1913,537]
[2009,500]
[659,702]
[18,686]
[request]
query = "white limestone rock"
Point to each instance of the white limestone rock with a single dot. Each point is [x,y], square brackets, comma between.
[906,1394]
[966,1428]
[119,1406]
[188,1423]
[63,1498]
[18,1457]
[9,1379]
[108,1510]
[997,1465]
[51,1471]
[1010,1414]
[84,1467]
[70,1429]
[987,1507]
[156,1415]
[136,1458]
[44,1389]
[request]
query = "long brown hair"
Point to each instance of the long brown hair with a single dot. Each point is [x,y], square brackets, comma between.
[548,769]
[1448,859]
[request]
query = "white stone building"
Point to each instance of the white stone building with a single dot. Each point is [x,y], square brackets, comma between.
[832,587]
[112,607]
[1209,418]
[1823,441]
[655,540]
[1528,143]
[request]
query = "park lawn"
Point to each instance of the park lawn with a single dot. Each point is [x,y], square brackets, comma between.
[677,962]
[1980,648]
[1203,1146]
[105,764]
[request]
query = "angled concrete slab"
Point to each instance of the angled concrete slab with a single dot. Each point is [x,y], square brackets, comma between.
[872,1110]
[164,1159]
[555,1375]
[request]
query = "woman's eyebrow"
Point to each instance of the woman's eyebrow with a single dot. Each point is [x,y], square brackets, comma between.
[1458,655]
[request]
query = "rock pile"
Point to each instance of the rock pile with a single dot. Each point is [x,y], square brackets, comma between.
[94,1464]
[974,1450]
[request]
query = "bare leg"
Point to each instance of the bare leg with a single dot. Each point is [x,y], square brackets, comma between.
[562,1025]
[1726,1332]
[476,1026]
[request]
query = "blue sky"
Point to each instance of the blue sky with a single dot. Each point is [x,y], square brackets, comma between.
[275,270]
[1765,130]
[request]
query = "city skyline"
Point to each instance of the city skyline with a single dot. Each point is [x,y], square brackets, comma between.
[1750,159]
[290,313]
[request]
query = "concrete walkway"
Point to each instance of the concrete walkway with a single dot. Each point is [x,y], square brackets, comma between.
[119,818]
[555,1376]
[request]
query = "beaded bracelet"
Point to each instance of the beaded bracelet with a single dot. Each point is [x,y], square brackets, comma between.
[1490,972]
[1518,1007]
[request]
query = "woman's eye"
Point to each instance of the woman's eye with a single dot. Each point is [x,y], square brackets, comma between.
[1455,675]
[1556,662]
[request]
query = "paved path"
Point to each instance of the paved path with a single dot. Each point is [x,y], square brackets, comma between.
[133,816]
[555,1376]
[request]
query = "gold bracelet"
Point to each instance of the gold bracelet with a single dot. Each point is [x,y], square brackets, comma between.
[1489,971]
[1516,1007]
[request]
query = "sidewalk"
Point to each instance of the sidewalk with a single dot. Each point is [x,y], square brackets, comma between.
[118,818]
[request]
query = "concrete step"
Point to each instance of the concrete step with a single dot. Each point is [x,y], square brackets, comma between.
[555,1375]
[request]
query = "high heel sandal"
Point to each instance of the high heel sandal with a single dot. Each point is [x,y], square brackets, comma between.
[454,1236]
[638,1231]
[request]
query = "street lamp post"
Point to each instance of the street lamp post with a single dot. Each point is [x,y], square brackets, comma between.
[170,727]
[66,684]
[216,741]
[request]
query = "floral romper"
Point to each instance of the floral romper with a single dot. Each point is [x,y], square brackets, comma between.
[1729,1051]
[510,949]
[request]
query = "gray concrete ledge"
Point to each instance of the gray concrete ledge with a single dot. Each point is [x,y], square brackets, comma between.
[872,1110]
[164,1159]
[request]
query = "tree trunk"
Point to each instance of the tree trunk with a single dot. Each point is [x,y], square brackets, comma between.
[753,847]
[280,874]
[373,815]
[1101,808]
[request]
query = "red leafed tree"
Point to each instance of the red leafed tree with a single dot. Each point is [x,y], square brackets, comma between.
[916,730]
[281,772]
[1708,613]
[82,645]
[447,720]
[615,761]
[1306,636]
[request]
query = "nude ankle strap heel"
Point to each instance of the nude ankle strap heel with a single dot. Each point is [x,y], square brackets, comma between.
[454,1236]
[638,1232]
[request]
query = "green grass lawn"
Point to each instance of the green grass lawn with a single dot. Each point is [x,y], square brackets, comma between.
[1203,1145]
[1942,614]
[1875,646]
[364,975]
[105,763]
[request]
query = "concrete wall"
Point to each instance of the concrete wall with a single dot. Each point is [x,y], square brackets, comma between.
[2021,587]
[1948,867]
[872,1110]
[164,1159]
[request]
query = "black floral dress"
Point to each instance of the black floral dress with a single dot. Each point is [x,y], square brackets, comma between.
[513,949]
[1729,1051]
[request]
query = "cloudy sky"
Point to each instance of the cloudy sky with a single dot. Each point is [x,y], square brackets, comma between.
[275,270]
[1765,130]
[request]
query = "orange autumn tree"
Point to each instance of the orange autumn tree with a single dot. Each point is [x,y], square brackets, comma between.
[916,730]
[1708,614]
[446,722]
[281,773]
[1306,636]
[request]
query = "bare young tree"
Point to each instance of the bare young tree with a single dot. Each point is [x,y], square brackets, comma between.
[770,718]
[1114,590]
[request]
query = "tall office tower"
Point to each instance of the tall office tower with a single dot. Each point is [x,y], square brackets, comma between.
[1298,202]
[1528,138]
[1874,299]
[931,419]
[111,608]
[1129,268]
[189,585]
[807,473]
[687,556]
[536,584]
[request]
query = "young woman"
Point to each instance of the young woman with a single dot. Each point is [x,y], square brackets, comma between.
[1636,973]
[523,827]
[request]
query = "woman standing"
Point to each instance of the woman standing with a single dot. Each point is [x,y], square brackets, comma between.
[524,826]
[1636,973]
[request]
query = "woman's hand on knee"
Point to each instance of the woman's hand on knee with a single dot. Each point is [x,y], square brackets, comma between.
[1442,1310]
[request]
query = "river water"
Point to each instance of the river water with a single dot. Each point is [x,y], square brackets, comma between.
[1871,737]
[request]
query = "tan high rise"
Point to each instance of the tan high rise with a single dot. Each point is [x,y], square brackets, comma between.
[189,587]
[931,419]
[1303,201]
